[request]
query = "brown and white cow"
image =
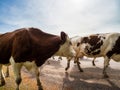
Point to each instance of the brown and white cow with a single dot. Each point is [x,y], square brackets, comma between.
[31,47]
[61,54]
[75,41]
[101,45]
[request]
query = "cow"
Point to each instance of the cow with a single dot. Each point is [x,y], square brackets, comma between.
[31,47]
[74,40]
[105,45]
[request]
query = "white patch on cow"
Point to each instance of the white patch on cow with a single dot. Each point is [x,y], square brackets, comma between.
[66,49]
[83,46]
[27,29]
[1,72]
[29,65]
[75,40]
[16,66]
[109,42]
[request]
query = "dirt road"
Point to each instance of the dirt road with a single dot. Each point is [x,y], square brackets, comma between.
[54,75]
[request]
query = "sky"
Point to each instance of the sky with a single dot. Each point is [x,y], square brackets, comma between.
[75,17]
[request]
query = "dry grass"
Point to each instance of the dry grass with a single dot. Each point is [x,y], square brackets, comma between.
[27,83]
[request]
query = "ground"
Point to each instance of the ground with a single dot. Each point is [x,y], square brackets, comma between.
[54,77]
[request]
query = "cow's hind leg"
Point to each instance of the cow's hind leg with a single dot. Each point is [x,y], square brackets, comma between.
[93,61]
[78,64]
[106,63]
[16,68]
[2,80]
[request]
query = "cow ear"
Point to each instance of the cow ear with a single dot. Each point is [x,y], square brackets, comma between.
[63,37]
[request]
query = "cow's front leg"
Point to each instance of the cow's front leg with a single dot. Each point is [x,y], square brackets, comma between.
[106,63]
[32,66]
[60,58]
[68,64]
[37,77]
[38,81]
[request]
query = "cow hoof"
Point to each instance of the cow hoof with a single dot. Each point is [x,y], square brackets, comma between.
[75,61]
[2,83]
[81,71]
[66,69]
[40,88]
[105,76]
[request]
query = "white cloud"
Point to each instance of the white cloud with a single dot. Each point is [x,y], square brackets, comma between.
[76,17]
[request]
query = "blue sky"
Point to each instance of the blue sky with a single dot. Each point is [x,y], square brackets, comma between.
[75,17]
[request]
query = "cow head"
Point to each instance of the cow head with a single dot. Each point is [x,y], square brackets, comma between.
[66,48]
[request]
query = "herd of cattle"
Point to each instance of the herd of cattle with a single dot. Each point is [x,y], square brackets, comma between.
[31,47]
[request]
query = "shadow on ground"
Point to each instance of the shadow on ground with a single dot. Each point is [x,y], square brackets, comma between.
[90,79]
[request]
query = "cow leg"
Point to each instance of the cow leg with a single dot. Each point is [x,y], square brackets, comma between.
[106,63]
[38,79]
[75,59]
[93,62]
[16,68]
[53,57]
[68,64]
[7,72]
[32,66]
[1,76]
[60,58]
[78,64]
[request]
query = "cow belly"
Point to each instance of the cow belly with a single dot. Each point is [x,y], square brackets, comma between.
[116,57]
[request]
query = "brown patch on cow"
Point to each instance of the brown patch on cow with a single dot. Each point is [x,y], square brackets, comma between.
[78,44]
[29,44]
[5,47]
[95,42]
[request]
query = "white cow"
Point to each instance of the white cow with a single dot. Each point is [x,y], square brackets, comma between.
[79,55]
[101,45]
